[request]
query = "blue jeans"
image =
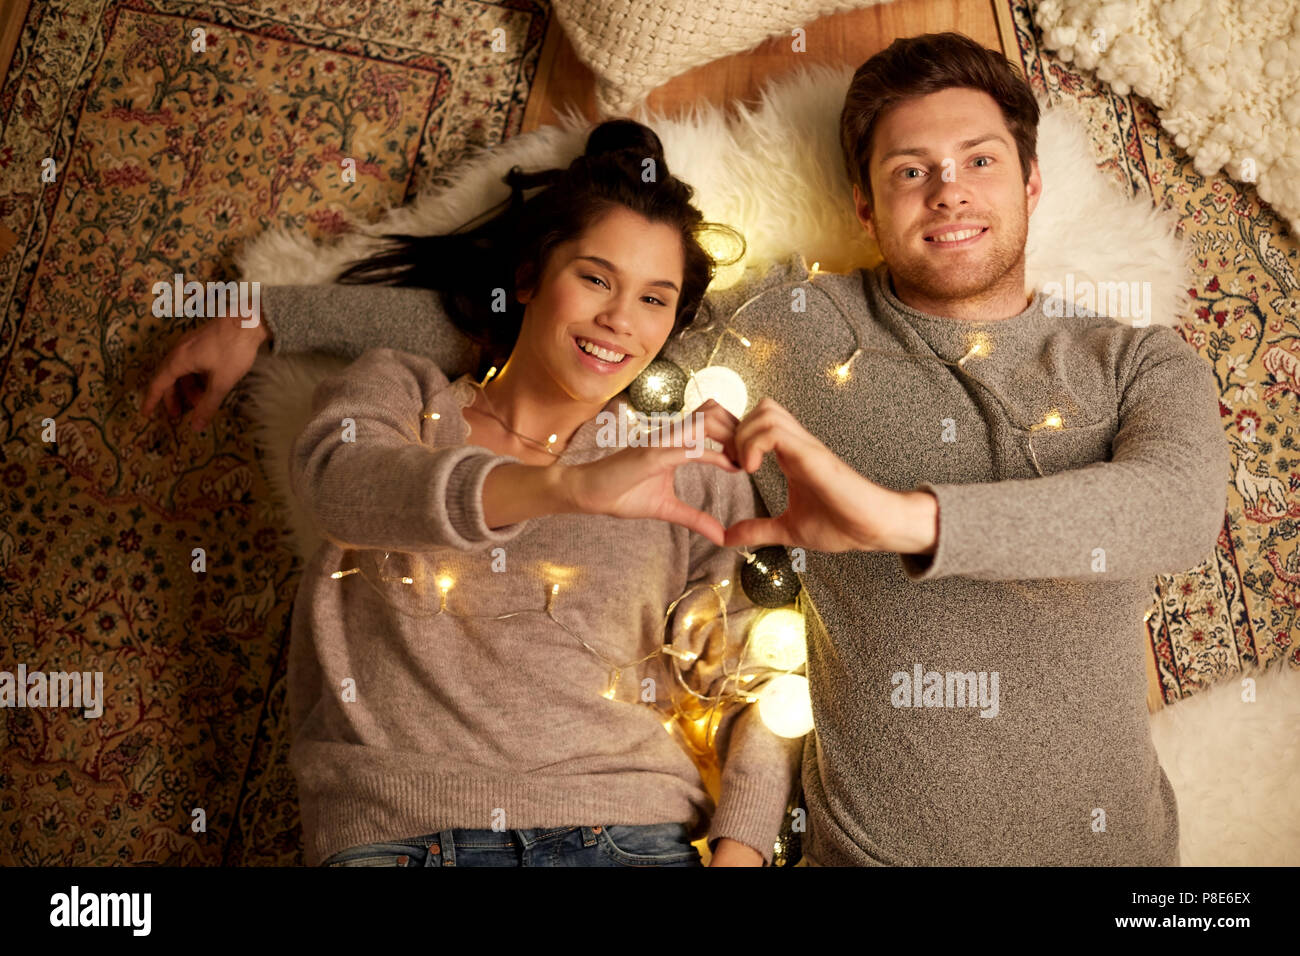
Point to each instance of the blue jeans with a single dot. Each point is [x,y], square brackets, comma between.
[656,844]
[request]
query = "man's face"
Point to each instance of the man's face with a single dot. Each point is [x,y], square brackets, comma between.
[929,175]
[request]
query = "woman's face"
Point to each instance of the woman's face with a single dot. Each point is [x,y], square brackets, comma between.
[614,288]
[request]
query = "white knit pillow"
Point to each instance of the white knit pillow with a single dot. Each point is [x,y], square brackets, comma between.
[1225,77]
[633,46]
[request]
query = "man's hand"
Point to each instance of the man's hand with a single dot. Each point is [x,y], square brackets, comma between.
[220,352]
[731,852]
[830,507]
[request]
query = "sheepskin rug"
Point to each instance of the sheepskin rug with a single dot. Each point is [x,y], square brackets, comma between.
[1224,74]
[773,171]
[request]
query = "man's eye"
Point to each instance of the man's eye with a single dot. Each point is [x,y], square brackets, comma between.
[911,169]
[989,158]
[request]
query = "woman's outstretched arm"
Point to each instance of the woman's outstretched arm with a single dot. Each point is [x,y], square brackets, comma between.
[369,481]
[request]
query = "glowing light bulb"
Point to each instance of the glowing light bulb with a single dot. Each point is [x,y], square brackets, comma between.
[1051,420]
[979,346]
[842,372]
[785,707]
[719,383]
[445,583]
[778,640]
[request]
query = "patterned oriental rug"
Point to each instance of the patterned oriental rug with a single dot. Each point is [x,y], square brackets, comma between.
[165,160]
[1243,317]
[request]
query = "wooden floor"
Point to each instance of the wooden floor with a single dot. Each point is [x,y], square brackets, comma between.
[847,38]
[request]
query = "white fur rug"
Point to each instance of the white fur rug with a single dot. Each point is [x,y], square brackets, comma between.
[1224,74]
[1235,766]
[774,172]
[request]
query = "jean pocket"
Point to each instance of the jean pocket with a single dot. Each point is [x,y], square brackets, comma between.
[656,844]
[375,854]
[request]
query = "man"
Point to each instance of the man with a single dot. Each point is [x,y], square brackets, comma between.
[989,493]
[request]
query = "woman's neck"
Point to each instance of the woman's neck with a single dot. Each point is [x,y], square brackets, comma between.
[535,406]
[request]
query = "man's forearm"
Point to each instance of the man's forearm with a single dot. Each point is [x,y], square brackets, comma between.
[346,320]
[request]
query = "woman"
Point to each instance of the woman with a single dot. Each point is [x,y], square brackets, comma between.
[476,649]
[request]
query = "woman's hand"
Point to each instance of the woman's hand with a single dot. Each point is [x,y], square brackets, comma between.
[638,482]
[221,352]
[731,852]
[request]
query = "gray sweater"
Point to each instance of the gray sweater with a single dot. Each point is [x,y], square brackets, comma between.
[985,705]
[407,721]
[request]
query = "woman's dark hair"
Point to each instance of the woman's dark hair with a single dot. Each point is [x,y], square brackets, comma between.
[468,265]
[920,65]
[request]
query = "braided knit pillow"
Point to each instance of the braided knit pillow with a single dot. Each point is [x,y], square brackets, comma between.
[1225,77]
[633,46]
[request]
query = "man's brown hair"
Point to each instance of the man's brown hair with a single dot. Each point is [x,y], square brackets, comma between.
[920,65]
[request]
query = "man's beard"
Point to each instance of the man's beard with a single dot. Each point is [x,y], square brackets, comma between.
[970,276]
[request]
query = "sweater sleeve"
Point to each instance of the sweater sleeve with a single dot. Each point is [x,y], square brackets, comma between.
[382,487]
[758,767]
[1156,507]
[347,320]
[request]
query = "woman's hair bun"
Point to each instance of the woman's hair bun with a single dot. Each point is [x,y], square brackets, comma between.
[625,134]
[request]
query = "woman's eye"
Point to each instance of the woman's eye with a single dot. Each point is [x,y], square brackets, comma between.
[657,301]
[597,279]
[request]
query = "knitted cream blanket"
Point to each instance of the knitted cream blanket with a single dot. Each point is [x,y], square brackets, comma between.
[1224,74]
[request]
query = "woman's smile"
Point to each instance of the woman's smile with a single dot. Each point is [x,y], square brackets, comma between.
[594,361]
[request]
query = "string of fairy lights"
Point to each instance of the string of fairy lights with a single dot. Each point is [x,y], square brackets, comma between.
[774,647]
[720,379]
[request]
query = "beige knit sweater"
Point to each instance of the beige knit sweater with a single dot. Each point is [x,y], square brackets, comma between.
[407,721]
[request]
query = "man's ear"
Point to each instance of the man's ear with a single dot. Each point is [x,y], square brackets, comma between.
[1033,188]
[863,210]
